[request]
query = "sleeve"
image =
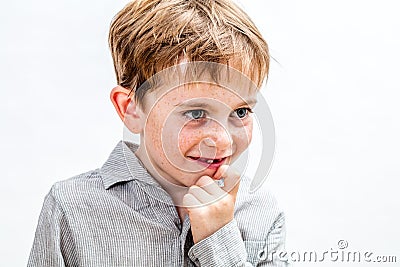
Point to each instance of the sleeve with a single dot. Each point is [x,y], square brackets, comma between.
[47,245]
[273,253]
[227,248]
[223,248]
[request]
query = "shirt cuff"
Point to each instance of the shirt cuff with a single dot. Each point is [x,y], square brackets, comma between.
[223,248]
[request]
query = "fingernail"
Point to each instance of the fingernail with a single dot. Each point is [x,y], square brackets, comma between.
[221,182]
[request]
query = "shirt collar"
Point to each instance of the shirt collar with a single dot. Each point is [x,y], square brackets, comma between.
[123,166]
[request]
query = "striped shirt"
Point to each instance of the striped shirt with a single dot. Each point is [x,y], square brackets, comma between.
[119,215]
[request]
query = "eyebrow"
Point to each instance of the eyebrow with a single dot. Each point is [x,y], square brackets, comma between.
[194,104]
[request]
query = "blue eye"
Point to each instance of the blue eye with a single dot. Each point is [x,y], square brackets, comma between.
[242,112]
[195,114]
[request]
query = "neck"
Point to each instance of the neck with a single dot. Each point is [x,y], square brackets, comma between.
[182,212]
[176,192]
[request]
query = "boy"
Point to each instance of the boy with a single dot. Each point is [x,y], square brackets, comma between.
[188,73]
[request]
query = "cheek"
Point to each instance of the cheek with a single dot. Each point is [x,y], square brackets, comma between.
[188,138]
[155,134]
[249,131]
[152,132]
[162,120]
[242,136]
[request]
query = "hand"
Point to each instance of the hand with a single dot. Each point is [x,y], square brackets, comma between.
[209,206]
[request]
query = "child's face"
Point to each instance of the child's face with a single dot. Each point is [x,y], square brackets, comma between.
[192,130]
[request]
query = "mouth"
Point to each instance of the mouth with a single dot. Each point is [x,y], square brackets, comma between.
[209,162]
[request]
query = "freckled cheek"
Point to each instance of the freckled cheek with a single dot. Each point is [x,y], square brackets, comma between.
[154,140]
[156,122]
[242,136]
[188,139]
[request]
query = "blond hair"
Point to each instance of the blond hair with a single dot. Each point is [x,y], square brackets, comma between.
[147,36]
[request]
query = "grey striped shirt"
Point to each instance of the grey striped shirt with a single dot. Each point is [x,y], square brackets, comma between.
[119,215]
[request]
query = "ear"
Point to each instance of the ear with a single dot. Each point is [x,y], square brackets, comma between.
[127,109]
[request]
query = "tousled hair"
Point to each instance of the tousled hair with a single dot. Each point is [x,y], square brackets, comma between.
[147,36]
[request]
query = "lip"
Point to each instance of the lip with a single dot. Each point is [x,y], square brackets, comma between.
[217,162]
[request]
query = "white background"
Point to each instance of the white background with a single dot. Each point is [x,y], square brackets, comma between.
[334,96]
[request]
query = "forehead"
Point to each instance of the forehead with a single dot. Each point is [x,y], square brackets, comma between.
[200,93]
[200,79]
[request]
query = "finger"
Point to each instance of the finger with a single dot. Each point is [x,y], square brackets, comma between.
[199,193]
[210,186]
[220,172]
[231,179]
[190,201]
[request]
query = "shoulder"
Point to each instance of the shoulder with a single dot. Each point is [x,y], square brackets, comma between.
[260,198]
[76,187]
[257,213]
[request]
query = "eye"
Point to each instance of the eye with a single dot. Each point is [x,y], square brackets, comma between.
[195,114]
[242,112]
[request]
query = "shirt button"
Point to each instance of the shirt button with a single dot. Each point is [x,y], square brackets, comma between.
[262,255]
[248,264]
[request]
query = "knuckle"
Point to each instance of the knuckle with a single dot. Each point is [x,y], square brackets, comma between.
[192,190]
[204,180]
[224,169]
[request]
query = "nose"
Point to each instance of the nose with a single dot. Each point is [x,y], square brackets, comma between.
[218,136]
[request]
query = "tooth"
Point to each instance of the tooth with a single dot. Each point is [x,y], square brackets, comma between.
[209,161]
